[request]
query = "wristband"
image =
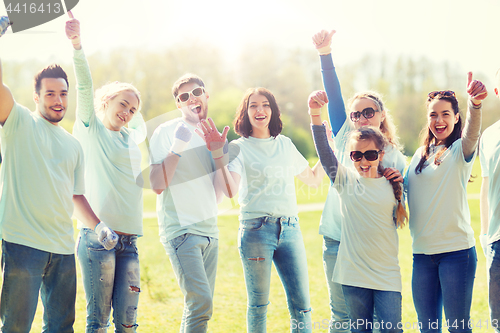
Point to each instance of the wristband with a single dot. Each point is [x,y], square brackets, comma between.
[314,112]
[219,153]
[325,50]
[173,152]
[178,146]
[475,106]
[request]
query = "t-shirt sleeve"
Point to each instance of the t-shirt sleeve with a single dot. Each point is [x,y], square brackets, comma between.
[14,120]
[482,159]
[298,161]
[79,186]
[159,146]
[235,159]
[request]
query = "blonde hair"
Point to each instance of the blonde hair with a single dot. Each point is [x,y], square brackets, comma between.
[387,126]
[109,91]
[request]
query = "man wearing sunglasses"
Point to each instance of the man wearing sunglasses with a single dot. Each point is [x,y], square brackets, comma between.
[182,174]
[489,156]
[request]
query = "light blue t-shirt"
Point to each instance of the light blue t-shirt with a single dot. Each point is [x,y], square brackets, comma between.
[41,171]
[489,156]
[112,161]
[331,218]
[267,168]
[437,199]
[188,204]
[368,252]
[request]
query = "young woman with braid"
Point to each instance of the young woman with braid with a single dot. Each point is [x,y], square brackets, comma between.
[367,109]
[367,265]
[444,255]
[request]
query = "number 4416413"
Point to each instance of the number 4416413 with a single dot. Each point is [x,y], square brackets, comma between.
[32,8]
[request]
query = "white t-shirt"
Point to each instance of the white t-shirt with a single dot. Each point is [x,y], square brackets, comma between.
[489,156]
[267,168]
[42,169]
[189,204]
[368,252]
[437,199]
[331,218]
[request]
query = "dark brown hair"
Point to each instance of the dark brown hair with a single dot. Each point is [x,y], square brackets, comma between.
[50,72]
[375,135]
[241,122]
[186,78]
[428,137]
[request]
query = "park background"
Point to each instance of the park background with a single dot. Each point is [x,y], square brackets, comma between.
[401,49]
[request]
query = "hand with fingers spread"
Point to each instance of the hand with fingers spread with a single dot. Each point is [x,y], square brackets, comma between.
[316,100]
[73,31]
[476,90]
[182,136]
[322,41]
[216,142]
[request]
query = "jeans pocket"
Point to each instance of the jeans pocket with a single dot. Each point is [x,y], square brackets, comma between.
[91,242]
[252,224]
[178,241]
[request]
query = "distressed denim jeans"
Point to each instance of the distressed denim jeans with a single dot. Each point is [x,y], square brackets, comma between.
[262,241]
[444,280]
[194,260]
[111,280]
[28,271]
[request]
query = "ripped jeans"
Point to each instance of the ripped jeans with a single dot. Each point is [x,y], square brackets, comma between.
[111,279]
[262,241]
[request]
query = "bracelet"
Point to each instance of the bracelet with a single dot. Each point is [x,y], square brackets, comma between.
[474,106]
[173,152]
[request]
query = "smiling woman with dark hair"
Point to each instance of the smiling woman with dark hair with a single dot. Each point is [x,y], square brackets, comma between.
[264,173]
[444,255]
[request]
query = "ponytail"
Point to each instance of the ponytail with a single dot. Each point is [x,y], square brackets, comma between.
[401,214]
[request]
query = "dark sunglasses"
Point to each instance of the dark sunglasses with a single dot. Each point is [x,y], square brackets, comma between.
[367,113]
[197,92]
[370,155]
[444,93]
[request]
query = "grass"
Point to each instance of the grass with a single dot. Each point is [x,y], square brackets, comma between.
[161,301]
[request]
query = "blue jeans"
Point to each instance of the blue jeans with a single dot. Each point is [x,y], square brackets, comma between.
[28,271]
[493,267]
[111,279]
[361,303]
[339,322]
[261,242]
[194,260]
[444,280]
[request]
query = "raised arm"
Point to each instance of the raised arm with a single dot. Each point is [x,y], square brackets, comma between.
[225,182]
[6,99]
[326,156]
[470,134]
[84,88]
[336,108]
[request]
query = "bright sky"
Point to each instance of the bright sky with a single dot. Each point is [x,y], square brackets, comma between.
[463,32]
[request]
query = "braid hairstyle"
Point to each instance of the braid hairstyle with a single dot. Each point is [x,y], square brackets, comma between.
[428,137]
[369,133]
[387,126]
